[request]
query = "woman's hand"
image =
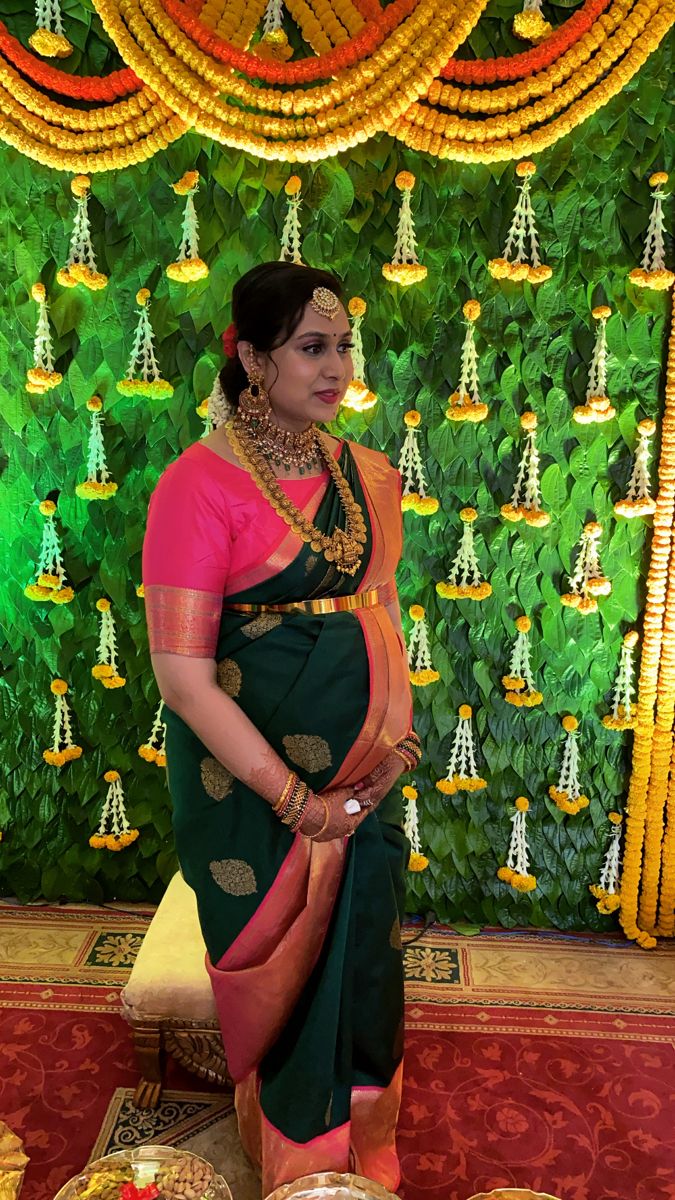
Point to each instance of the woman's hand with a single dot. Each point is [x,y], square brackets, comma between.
[375,786]
[340,824]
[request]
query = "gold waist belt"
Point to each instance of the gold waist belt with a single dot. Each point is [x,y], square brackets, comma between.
[330,604]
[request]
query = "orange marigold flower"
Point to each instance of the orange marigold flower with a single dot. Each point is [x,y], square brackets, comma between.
[528,421]
[80,185]
[409,792]
[569,724]
[142,296]
[465,711]
[522,804]
[471,310]
[467,515]
[523,624]
[631,638]
[103,605]
[648,427]
[412,418]
[293,185]
[658,178]
[47,508]
[416,612]
[95,404]
[357,306]
[405,180]
[186,183]
[615,818]
[111,776]
[38,291]
[525,168]
[602,312]
[59,687]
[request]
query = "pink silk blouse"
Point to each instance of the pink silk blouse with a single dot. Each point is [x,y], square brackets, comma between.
[208,524]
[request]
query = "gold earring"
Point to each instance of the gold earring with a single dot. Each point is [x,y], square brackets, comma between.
[254,402]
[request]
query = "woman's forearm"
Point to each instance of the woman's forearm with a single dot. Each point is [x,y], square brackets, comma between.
[233,739]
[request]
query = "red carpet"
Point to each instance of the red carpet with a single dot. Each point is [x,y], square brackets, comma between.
[558,1096]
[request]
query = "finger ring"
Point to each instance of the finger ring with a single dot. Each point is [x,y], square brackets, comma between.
[352,806]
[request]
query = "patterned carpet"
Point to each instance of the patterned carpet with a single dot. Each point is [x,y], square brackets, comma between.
[534,1060]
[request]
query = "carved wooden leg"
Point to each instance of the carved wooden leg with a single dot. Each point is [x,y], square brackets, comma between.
[149,1056]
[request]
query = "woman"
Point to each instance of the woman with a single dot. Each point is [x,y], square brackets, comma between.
[277,645]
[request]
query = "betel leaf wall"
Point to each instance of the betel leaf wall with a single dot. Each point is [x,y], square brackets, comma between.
[592,204]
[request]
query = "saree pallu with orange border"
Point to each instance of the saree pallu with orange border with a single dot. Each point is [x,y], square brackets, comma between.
[303,938]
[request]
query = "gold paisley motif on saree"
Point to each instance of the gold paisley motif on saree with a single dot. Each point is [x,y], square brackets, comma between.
[229,677]
[261,625]
[217,781]
[395,936]
[234,876]
[308,751]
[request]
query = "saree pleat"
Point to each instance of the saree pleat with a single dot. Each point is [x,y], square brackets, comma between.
[303,938]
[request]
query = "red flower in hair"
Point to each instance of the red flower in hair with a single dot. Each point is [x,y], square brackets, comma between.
[230,340]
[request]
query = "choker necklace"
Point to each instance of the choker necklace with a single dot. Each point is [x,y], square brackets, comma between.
[343,547]
[281,447]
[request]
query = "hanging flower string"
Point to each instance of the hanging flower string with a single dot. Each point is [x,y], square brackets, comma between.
[114,831]
[624,710]
[51,576]
[405,267]
[653,273]
[464,581]
[530,25]
[216,409]
[462,773]
[419,656]
[81,265]
[521,690]
[465,404]
[62,749]
[568,795]
[143,359]
[49,38]
[517,870]
[417,861]
[154,750]
[188,266]
[597,407]
[527,264]
[106,667]
[587,580]
[290,234]
[525,504]
[42,377]
[98,485]
[273,45]
[358,395]
[607,891]
[638,502]
[410,465]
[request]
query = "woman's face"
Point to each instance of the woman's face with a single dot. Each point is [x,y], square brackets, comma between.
[307,377]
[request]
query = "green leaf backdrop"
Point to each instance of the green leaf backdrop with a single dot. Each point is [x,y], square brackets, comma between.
[592,204]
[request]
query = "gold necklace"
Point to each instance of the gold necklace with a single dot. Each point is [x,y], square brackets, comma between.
[281,447]
[342,547]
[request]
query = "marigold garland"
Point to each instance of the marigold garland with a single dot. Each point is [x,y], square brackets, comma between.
[522,238]
[49,38]
[358,395]
[62,749]
[607,892]
[462,773]
[154,750]
[188,266]
[414,496]
[80,87]
[422,671]
[42,377]
[114,831]
[517,870]
[519,685]
[405,267]
[464,581]
[291,235]
[624,711]
[597,408]
[525,503]
[417,860]
[653,272]
[106,669]
[81,265]
[530,24]
[143,359]
[99,484]
[216,409]
[568,795]
[638,502]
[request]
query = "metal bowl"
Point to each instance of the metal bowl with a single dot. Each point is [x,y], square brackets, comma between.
[513,1194]
[330,1185]
[144,1162]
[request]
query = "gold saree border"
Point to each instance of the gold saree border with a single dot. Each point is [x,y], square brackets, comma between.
[182,620]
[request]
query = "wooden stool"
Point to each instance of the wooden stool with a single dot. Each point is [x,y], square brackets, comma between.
[168,1000]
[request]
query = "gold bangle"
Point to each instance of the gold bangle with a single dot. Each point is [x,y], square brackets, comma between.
[288,788]
[318,833]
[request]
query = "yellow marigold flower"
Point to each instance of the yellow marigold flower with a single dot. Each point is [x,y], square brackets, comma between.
[103,605]
[522,804]
[569,724]
[471,310]
[524,169]
[647,427]
[658,178]
[416,612]
[140,591]
[615,818]
[111,776]
[465,711]
[47,508]
[38,291]
[523,624]
[528,421]
[602,312]
[80,185]
[593,529]
[356,306]
[405,180]
[631,638]
[467,515]
[293,185]
[59,687]
[410,792]
[186,183]
[142,296]
[417,862]
[412,418]
[95,404]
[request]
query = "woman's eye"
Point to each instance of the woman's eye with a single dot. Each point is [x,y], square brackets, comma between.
[347,347]
[313,347]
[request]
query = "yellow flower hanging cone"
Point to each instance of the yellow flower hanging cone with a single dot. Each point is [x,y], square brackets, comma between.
[405,267]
